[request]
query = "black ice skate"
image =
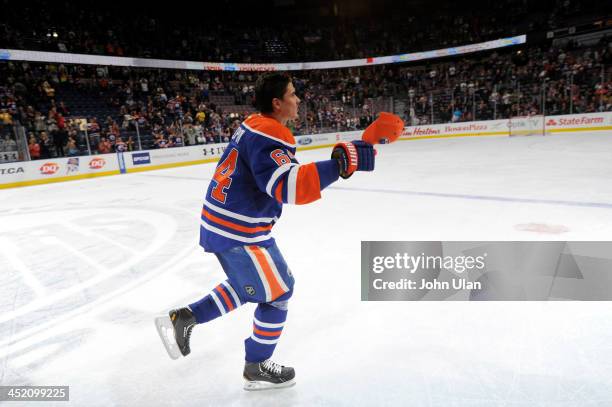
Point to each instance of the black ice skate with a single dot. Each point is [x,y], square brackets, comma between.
[267,375]
[175,331]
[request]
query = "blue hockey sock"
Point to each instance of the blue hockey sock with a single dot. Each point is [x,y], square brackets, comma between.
[267,328]
[221,300]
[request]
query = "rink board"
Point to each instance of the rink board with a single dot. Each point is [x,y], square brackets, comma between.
[19,174]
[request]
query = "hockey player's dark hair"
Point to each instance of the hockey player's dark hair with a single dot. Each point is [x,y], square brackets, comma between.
[268,87]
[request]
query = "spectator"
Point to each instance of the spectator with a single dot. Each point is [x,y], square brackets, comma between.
[456,115]
[45,145]
[129,144]
[177,140]
[63,109]
[190,134]
[104,147]
[120,145]
[60,138]
[49,91]
[5,117]
[39,123]
[34,147]
[9,143]
[71,147]
[200,117]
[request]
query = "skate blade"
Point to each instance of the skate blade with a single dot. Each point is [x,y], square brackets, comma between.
[166,334]
[258,385]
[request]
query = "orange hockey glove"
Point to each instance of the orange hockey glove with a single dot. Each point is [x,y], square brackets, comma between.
[386,129]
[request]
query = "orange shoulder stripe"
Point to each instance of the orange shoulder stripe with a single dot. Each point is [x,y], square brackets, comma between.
[269,127]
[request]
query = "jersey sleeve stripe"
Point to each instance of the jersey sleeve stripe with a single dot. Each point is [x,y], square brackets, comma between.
[278,194]
[234,226]
[308,185]
[292,184]
[276,174]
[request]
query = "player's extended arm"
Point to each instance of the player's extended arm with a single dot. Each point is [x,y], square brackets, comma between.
[284,179]
[279,174]
[359,155]
[300,184]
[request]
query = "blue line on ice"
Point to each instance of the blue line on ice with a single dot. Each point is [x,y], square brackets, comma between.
[481,197]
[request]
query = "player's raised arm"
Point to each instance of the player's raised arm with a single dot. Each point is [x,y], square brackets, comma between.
[272,157]
[278,173]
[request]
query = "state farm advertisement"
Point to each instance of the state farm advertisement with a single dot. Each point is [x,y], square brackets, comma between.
[592,121]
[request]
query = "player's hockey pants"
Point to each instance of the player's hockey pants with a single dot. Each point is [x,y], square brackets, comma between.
[255,274]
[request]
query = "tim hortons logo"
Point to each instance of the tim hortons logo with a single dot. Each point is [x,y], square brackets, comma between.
[49,168]
[96,163]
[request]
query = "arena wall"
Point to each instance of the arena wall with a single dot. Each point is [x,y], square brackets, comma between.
[38,172]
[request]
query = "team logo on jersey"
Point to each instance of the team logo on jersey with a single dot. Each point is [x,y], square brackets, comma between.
[96,163]
[250,290]
[49,168]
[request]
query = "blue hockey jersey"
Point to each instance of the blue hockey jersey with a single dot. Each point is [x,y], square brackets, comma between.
[256,174]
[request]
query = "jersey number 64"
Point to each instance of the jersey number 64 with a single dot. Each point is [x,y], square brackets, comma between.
[223,176]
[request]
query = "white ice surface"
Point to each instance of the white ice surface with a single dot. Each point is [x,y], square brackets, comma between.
[86,265]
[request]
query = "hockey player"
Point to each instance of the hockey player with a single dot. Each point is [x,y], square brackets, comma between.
[256,175]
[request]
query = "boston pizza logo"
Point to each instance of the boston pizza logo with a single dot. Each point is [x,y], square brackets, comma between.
[96,163]
[49,168]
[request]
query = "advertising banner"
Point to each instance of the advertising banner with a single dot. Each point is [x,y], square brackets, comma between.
[57,169]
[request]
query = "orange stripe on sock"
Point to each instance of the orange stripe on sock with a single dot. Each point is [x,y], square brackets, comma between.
[221,291]
[228,224]
[266,333]
[275,287]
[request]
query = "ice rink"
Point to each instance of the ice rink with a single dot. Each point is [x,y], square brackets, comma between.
[87,265]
